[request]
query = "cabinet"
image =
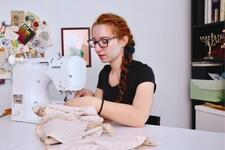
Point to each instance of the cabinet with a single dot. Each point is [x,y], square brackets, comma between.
[209,118]
[207,52]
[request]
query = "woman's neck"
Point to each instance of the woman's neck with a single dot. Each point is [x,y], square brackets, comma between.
[116,64]
[114,75]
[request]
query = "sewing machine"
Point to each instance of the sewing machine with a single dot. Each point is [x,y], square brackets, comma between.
[31,79]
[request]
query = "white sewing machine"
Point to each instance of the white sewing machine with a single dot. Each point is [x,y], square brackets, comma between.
[31,79]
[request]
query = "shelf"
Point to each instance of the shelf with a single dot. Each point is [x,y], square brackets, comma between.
[203,11]
[216,60]
[215,24]
[205,64]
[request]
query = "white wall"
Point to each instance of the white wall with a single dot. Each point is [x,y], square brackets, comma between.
[162,34]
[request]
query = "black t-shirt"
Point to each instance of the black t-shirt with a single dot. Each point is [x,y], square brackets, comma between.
[137,74]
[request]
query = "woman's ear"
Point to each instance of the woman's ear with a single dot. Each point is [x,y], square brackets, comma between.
[124,41]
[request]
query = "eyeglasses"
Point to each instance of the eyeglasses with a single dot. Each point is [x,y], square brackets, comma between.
[103,43]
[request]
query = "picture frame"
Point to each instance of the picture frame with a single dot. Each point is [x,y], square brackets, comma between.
[74,42]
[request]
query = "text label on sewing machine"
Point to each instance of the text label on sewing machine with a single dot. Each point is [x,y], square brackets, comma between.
[56,67]
[18,99]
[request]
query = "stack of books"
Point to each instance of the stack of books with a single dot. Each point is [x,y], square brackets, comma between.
[214,11]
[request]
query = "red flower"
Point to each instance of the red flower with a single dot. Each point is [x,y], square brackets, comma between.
[35,24]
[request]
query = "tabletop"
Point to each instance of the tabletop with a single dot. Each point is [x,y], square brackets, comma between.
[21,136]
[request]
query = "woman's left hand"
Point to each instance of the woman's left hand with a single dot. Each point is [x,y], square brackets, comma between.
[85,101]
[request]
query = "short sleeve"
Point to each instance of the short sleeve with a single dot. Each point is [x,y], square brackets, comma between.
[101,78]
[146,74]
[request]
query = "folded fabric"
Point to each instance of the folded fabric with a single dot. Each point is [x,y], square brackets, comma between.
[68,128]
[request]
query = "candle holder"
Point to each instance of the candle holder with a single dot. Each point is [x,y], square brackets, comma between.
[211,41]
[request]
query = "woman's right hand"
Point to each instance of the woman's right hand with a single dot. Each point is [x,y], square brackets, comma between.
[83,92]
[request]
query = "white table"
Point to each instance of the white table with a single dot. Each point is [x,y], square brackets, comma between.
[21,136]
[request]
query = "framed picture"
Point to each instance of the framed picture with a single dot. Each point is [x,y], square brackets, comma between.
[74,42]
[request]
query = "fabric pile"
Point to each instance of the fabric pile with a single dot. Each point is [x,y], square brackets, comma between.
[68,128]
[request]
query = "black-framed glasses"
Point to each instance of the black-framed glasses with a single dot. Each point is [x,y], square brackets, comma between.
[103,43]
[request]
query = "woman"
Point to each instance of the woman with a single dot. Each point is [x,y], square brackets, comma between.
[125,87]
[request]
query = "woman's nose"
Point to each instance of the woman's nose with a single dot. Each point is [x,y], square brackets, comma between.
[97,48]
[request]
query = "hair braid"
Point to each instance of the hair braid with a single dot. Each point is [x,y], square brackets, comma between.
[126,61]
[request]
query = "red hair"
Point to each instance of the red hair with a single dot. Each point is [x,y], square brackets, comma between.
[120,29]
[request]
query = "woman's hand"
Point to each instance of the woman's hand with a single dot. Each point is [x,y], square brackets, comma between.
[83,92]
[85,101]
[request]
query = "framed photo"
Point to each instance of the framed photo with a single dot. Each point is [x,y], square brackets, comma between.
[74,42]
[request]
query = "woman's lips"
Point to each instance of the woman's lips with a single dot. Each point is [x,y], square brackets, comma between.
[101,56]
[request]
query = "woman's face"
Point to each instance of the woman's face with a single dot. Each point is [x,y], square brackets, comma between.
[107,46]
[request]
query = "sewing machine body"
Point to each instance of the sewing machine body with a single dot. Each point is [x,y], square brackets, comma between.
[31,79]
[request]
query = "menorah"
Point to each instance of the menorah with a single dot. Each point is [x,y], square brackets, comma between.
[223,45]
[210,42]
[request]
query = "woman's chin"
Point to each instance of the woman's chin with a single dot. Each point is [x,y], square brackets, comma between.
[103,60]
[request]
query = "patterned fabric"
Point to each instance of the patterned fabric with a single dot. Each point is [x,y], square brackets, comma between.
[68,128]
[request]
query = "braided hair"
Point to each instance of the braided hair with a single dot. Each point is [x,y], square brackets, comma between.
[120,29]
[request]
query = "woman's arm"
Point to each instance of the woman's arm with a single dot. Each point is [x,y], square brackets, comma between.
[99,93]
[132,115]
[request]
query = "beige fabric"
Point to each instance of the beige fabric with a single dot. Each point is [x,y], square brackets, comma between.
[61,123]
[68,128]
